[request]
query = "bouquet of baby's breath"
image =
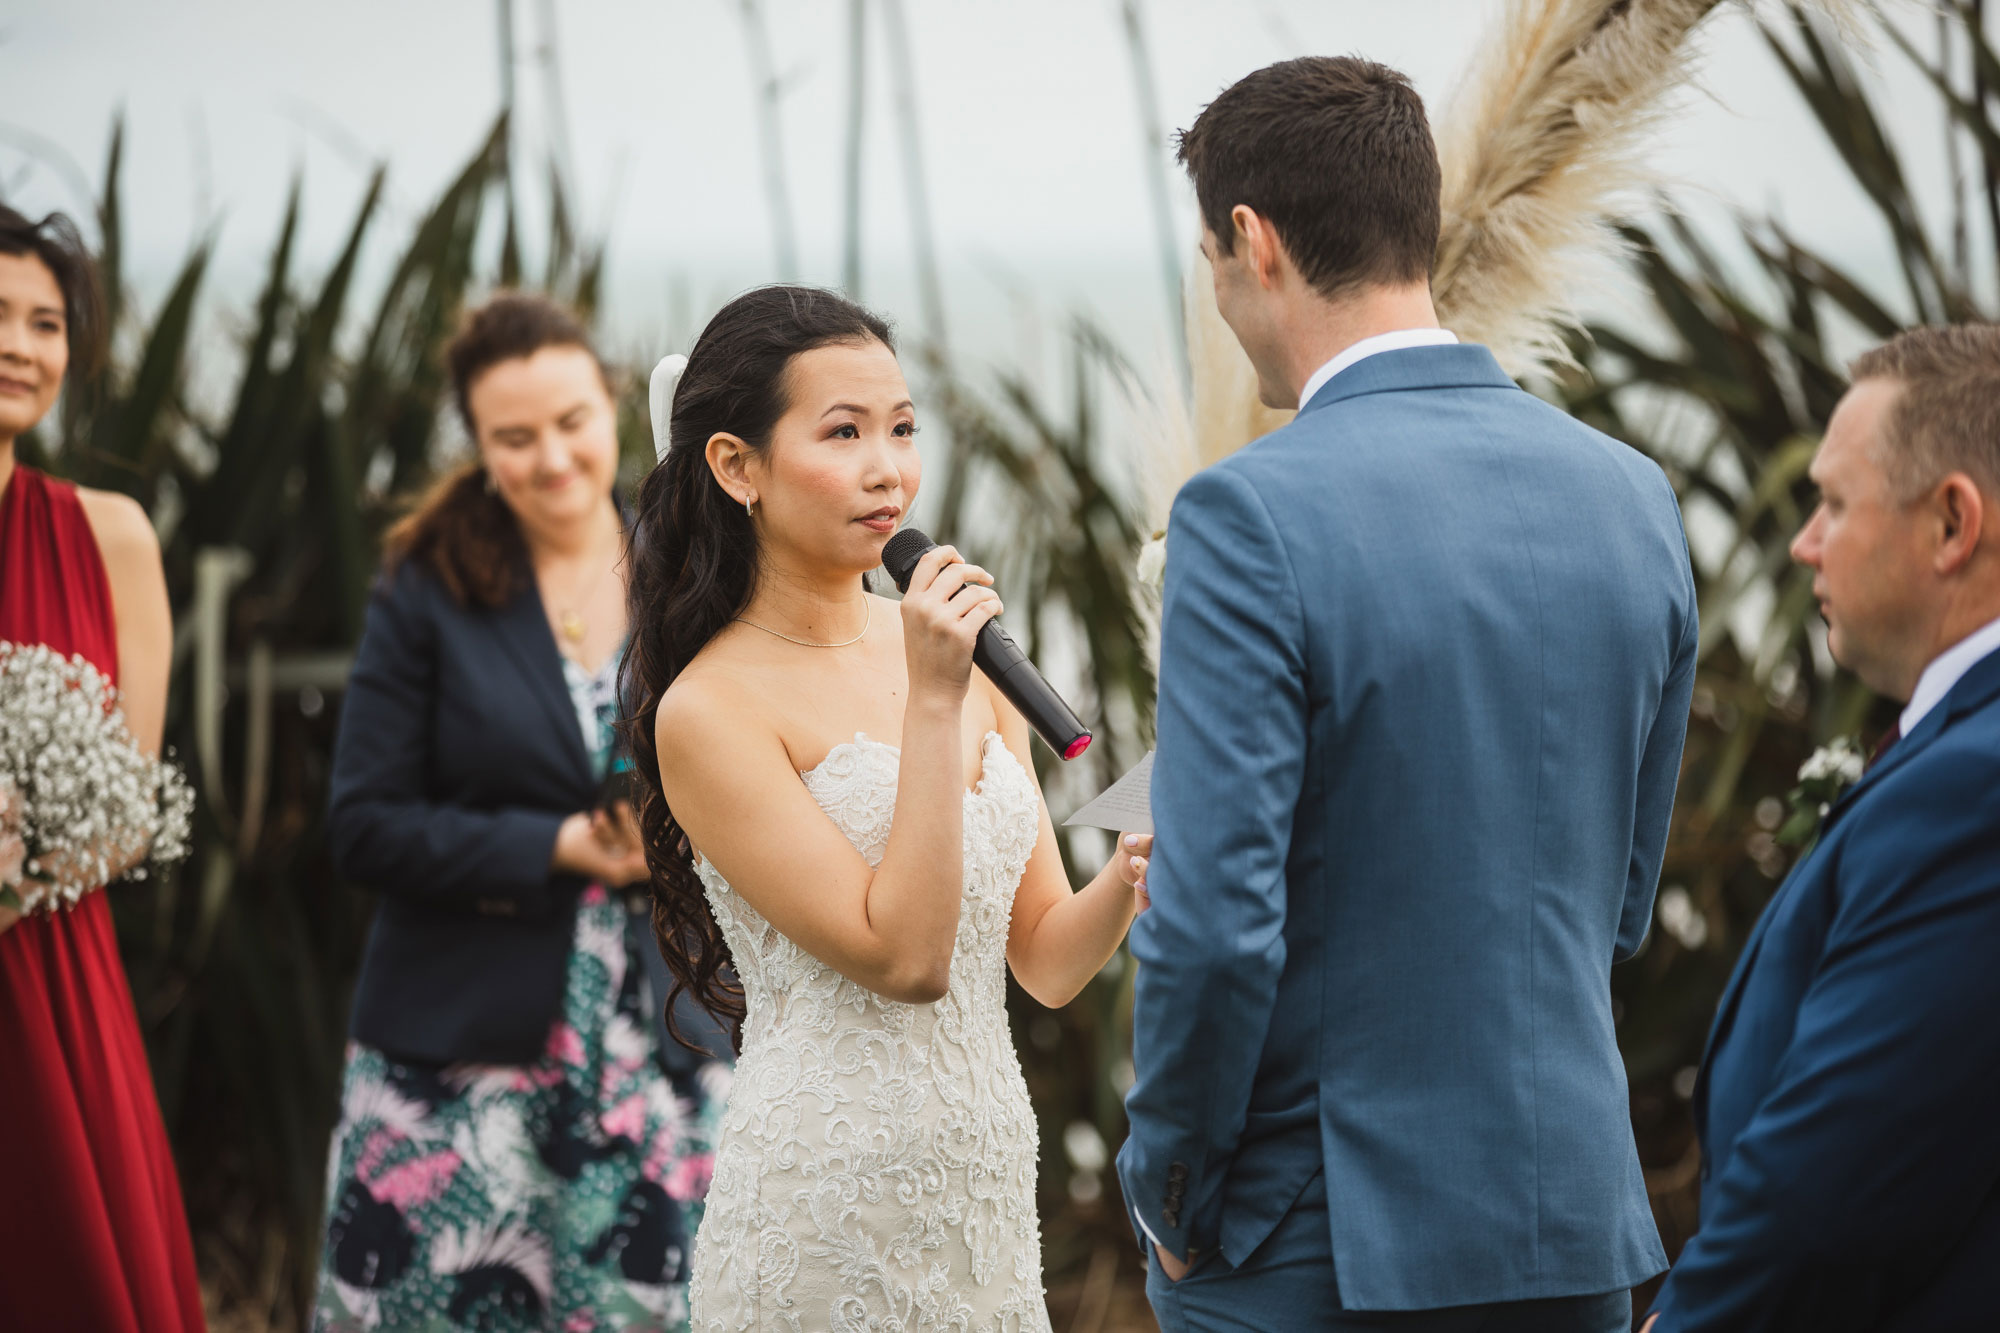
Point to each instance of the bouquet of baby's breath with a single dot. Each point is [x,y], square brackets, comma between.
[79,801]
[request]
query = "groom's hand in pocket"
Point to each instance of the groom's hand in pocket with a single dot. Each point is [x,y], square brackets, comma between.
[1172,1267]
[1133,856]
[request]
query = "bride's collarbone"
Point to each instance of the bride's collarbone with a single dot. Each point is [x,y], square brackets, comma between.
[819,706]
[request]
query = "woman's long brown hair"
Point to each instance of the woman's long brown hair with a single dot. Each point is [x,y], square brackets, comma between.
[693,568]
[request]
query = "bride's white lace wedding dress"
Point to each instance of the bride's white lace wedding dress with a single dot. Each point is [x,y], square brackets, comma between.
[876,1166]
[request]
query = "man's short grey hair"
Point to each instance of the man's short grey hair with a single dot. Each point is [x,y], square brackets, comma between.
[1946,419]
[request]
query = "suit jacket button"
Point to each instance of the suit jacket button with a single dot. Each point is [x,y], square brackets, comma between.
[1178,1171]
[1172,1215]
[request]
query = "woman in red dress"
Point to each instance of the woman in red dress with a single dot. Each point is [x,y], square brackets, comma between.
[92,1229]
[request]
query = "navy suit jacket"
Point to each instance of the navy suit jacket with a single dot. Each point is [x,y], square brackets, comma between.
[1426,662]
[459,756]
[1849,1101]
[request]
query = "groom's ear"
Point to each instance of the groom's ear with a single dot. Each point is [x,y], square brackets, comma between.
[1258,241]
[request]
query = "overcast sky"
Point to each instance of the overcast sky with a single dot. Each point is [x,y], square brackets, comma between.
[1031,132]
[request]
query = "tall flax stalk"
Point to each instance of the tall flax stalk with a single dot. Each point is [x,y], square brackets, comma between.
[857,124]
[770,136]
[930,282]
[1154,140]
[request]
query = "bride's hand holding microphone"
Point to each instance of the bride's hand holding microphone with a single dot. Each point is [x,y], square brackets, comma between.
[910,903]
[947,603]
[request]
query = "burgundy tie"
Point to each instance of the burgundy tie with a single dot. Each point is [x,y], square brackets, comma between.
[1888,741]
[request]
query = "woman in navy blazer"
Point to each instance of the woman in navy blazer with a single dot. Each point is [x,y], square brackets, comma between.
[519,1146]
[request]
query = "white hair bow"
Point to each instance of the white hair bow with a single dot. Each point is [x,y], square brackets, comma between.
[660,397]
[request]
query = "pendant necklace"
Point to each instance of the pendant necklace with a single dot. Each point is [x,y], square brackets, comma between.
[868,604]
[570,621]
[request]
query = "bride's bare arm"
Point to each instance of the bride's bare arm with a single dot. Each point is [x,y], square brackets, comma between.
[734,790]
[1058,939]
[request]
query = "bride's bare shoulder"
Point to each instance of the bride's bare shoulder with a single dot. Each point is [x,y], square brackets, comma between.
[709,703]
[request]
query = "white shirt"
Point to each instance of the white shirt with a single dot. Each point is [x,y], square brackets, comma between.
[1395,341]
[1945,671]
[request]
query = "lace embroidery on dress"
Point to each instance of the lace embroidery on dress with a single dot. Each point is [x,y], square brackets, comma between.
[876,1167]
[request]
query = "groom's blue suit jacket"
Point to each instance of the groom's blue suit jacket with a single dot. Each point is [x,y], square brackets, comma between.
[1849,1103]
[1427,658]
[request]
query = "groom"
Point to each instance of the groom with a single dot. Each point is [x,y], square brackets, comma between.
[1427,658]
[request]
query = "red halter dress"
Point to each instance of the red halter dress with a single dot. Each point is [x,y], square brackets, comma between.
[92,1231]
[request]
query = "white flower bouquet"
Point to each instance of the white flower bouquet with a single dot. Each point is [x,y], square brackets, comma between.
[80,803]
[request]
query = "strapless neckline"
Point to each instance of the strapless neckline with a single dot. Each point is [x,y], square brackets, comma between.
[863,741]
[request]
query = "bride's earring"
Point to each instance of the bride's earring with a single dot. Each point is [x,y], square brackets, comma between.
[750,507]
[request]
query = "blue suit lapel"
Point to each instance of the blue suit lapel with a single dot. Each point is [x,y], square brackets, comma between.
[522,628]
[1974,690]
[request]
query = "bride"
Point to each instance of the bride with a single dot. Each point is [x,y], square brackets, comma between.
[838,808]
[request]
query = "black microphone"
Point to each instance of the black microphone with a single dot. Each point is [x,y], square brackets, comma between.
[1001,659]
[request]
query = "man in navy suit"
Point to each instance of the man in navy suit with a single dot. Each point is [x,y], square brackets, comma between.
[1426,662]
[1849,1102]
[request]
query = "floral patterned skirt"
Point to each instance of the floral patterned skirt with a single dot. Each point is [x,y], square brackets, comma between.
[561,1195]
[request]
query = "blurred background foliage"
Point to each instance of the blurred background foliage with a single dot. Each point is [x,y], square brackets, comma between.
[270,506]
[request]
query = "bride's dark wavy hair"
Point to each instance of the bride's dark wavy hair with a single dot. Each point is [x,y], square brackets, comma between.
[693,567]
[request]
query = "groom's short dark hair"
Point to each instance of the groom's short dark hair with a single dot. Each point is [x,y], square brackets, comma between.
[1336,153]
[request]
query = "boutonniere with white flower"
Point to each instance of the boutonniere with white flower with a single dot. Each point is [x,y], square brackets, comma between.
[1831,770]
[1152,565]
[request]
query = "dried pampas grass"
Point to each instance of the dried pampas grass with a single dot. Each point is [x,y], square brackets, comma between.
[1543,151]
[1539,152]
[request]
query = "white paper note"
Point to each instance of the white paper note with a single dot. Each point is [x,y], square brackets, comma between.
[1126,806]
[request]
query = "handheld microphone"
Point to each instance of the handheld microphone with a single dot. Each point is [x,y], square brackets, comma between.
[996,654]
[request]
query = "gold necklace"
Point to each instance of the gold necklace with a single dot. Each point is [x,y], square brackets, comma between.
[868,604]
[570,622]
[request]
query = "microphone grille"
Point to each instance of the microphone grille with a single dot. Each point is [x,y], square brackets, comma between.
[900,556]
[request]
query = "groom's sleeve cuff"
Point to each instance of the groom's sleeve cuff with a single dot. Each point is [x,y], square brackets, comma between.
[1140,1222]
[1161,1225]
[1156,1243]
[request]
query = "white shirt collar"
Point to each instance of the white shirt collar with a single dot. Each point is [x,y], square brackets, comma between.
[1382,342]
[1946,670]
